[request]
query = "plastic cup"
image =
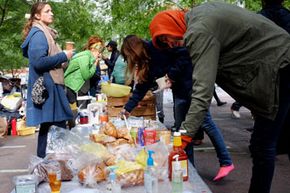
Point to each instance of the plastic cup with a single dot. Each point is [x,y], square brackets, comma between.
[54,177]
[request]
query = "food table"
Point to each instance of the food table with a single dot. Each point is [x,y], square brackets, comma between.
[194,185]
[97,141]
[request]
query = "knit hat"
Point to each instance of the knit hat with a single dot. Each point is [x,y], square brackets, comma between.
[169,22]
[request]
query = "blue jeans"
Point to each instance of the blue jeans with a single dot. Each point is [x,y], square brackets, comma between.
[42,136]
[181,107]
[264,139]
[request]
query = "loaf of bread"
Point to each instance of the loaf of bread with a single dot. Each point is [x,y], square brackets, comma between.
[95,171]
[102,138]
[109,129]
[110,160]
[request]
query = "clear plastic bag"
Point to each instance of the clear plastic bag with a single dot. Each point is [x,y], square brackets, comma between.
[160,159]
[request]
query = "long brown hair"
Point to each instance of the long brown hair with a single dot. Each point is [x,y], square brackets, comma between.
[35,9]
[135,53]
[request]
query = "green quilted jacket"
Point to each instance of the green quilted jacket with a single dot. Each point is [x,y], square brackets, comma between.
[81,68]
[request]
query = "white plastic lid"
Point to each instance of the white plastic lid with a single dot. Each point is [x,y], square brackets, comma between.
[176,134]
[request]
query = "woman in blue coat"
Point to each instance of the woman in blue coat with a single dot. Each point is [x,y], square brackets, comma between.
[45,59]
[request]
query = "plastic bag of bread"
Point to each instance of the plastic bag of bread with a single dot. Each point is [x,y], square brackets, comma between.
[110,160]
[109,129]
[64,160]
[160,159]
[123,133]
[39,167]
[102,138]
[98,150]
[129,173]
[124,152]
[92,173]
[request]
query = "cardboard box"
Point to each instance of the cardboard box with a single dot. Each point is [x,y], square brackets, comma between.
[146,108]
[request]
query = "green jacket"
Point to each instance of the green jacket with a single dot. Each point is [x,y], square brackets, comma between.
[239,50]
[81,68]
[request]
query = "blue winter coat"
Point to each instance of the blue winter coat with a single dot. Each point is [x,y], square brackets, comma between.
[176,63]
[56,107]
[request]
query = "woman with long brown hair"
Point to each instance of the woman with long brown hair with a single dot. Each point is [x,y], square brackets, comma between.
[45,59]
[151,64]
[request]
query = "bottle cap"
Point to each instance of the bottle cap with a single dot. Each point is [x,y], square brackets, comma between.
[150,161]
[176,134]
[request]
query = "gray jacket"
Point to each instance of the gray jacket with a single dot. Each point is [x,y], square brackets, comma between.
[239,50]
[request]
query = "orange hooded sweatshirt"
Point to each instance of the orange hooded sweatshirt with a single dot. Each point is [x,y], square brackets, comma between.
[169,22]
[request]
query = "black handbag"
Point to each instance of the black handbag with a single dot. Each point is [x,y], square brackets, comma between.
[39,93]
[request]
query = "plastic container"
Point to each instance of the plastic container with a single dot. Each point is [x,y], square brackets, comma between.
[113,186]
[183,159]
[177,176]
[25,184]
[150,175]
[23,130]
[115,90]
[54,176]
[13,126]
[149,135]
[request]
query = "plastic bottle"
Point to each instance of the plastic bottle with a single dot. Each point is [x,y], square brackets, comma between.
[113,186]
[177,176]
[177,150]
[13,126]
[150,176]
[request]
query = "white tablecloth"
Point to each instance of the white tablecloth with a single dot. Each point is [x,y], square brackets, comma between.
[194,185]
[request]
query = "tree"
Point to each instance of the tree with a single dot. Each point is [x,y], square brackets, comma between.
[76,20]
[12,19]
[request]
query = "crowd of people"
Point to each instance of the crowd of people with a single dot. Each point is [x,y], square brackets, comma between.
[244,53]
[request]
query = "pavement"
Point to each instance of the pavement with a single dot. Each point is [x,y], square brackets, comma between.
[15,152]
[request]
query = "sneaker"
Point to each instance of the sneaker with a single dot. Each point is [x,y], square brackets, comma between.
[224,171]
[236,114]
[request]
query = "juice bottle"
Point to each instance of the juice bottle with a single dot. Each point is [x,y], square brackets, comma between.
[182,157]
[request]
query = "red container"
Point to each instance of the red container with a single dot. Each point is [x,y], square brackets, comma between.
[13,127]
[84,119]
[149,136]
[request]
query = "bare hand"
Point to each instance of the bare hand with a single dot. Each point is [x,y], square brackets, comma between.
[69,53]
[124,112]
[168,82]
